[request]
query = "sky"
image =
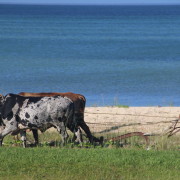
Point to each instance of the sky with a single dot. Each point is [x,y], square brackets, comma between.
[86,2]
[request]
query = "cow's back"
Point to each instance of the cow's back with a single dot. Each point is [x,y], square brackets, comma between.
[16,103]
[46,104]
[74,97]
[47,110]
[78,99]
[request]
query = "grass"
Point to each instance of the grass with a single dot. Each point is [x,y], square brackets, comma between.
[156,142]
[132,162]
[96,163]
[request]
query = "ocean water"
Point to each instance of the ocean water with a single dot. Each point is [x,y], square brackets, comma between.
[113,55]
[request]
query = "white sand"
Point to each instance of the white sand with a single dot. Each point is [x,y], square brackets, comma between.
[154,120]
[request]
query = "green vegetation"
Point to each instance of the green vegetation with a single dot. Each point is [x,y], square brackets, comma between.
[65,163]
[121,106]
[111,162]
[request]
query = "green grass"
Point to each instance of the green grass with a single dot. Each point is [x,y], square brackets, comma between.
[97,163]
[132,162]
[156,142]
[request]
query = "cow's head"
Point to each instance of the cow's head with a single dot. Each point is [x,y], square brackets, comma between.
[1,101]
[1,105]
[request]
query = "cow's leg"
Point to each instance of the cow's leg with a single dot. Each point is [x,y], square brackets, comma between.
[62,130]
[35,135]
[23,137]
[79,120]
[11,126]
[78,134]
[1,129]
[86,129]
[1,140]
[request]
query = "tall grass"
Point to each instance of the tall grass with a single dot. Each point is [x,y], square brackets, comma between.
[156,142]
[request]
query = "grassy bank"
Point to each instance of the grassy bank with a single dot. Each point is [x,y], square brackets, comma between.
[100,163]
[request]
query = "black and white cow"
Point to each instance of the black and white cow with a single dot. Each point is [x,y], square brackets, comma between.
[19,113]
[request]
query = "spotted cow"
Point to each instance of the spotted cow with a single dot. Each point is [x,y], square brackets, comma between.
[79,107]
[19,113]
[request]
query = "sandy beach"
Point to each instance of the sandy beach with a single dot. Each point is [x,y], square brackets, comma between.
[153,120]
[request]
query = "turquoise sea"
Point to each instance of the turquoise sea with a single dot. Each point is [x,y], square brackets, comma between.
[111,54]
